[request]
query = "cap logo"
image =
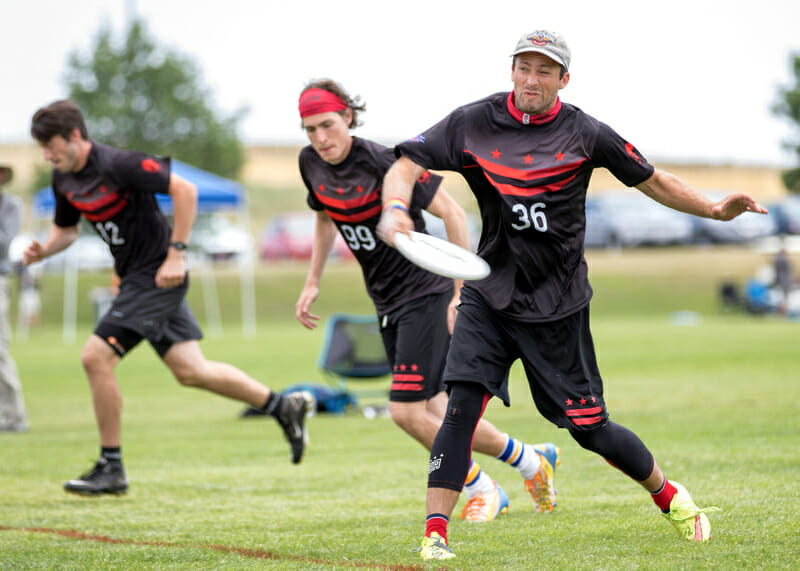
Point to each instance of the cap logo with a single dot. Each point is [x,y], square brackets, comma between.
[542,38]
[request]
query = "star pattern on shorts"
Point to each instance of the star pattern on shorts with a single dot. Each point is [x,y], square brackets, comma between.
[496,154]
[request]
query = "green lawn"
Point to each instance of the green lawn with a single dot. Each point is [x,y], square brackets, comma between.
[718,403]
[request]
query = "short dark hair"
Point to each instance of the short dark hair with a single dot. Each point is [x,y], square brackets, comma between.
[59,118]
[355,104]
[561,67]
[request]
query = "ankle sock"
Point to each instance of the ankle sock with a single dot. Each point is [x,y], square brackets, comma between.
[112,454]
[273,404]
[663,497]
[437,523]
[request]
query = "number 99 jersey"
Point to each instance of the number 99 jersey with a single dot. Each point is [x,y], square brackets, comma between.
[530,181]
[350,193]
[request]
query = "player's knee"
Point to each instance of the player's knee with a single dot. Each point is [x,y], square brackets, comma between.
[97,357]
[589,439]
[405,415]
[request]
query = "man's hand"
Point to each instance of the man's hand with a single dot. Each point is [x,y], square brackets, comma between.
[393,220]
[33,253]
[303,306]
[735,204]
[172,272]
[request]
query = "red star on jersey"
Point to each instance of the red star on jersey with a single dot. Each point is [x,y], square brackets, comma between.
[402,367]
[528,159]
[559,156]
[414,367]
[340,190]
[496,154]
[322,188]
[569,402]
[360,188]
[583,401]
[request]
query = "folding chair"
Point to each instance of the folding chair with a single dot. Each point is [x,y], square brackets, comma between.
[352,349]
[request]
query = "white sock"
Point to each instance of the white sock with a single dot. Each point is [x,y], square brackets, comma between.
[478,482]
[521,456]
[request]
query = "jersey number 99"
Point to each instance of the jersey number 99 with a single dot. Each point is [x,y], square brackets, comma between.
[358,237]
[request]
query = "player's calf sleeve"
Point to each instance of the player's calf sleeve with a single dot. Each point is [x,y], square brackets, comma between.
[452,447]
[620,447]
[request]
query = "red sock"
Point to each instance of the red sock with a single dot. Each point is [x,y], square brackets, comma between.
[664,496]
[436,523]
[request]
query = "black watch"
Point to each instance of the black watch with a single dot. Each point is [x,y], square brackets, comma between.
[178,245]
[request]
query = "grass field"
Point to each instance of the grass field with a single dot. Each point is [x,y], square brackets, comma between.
[718,403]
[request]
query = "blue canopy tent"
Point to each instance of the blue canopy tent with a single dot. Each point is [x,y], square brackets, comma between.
[214,194]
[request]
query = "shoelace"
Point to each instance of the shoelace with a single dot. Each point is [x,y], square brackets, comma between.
[437,546]
[541,493]
[474,508]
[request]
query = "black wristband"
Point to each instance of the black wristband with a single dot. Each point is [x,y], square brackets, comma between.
[178,245]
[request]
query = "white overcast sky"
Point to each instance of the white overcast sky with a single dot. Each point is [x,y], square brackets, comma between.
[686,80]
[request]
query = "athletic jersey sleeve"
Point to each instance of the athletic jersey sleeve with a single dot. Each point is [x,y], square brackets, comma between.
[140,172]
[620,157]
[441,147]
[65,215]
[311,199]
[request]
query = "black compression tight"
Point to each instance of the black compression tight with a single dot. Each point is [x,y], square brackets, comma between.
[620,447]
[452,447]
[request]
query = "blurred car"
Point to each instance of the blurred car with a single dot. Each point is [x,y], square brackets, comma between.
[746,227]
[630,219]
[290,236]
[435,227]
[787,214]
[217,237]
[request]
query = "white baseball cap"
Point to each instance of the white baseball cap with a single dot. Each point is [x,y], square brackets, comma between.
[548,43]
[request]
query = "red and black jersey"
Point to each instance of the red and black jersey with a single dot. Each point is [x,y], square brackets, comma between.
[115,193]
[350,193]
[530,181]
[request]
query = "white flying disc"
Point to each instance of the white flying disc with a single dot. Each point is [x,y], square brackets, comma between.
[441,257]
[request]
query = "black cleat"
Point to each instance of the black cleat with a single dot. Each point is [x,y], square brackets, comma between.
[105,478]
[292,418]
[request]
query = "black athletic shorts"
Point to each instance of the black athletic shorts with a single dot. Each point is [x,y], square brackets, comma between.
[416,340]
[558,358]
[160,315]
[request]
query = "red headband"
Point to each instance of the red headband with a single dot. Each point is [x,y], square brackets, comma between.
[315,100]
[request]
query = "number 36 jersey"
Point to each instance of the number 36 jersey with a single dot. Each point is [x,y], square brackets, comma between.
[115,193]
[530,181]
[350,193]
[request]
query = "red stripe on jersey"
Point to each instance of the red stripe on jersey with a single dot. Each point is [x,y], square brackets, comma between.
[406,387]
[106,214]
[511,190]
[585,421]
[584,411]
[352,203]
[357,217]
[407,377]
[526,175]
[97,204]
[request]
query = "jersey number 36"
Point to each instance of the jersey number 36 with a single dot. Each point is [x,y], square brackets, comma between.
[525,219]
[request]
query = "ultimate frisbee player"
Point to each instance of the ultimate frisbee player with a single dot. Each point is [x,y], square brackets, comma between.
[416,308]
[114,190]
[527,158]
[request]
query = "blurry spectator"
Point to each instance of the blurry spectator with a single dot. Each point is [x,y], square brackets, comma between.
[12,405]
[30,301]
[784,278]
